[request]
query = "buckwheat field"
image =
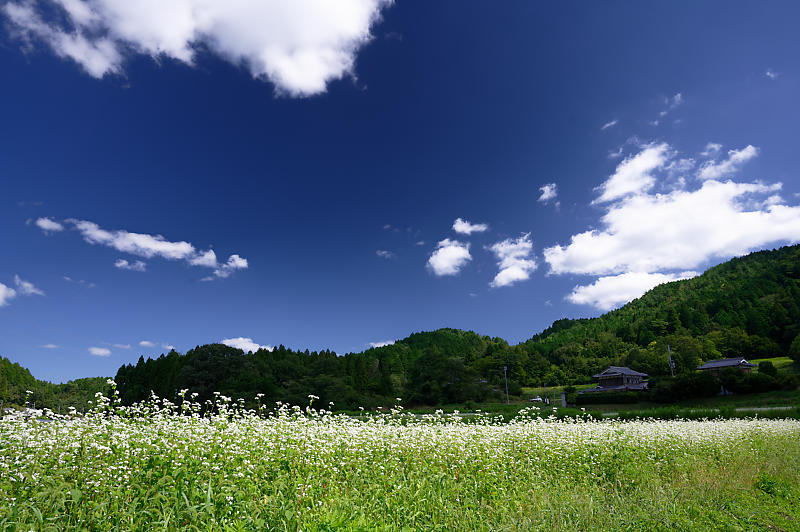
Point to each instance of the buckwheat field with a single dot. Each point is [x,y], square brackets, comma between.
[166,466]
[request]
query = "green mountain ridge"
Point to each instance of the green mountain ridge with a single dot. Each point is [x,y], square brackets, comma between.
[747,306]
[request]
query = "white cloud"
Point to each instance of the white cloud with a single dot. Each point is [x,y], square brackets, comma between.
[168,346]
[609,124]
[49,346]
[449,257]
[299,46]
[245,344]
[384,254]
[204,258]
[635,173]
[615,154]
[712,148]
[147,343]
[514,261]
[136,266]
[771,74]
[715,170]
[549,192]
[465,228]
[26,288]
[381,344]
[149,246]
[99,351]
[235,262]
[612,291]
[679,230]
[121,346]
[6,294]
[140,244]
[48,225]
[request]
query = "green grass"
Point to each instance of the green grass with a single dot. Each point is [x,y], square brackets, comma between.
[151,468]
[782,364]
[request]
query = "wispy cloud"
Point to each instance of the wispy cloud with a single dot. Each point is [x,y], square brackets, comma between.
[384,254]
[135,266]
[771,74]
[26,288]
[299,46]
[449,257]
[147,343]
[711,149]
[609,124]
[49,346]
[100,351]
[466,228]
[549,192]
[736,158]
[635,173]
[155,246]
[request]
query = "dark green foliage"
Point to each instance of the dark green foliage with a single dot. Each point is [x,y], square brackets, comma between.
[688,385]
[767,368]
[600,398]
[736,381]
[16,381]
[794,349]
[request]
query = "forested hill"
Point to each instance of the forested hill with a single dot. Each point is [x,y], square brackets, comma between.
[748,306]
[16,381]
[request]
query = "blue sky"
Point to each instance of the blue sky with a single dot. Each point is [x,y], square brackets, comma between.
[327,152]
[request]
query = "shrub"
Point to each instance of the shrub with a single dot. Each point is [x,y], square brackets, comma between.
[767,368]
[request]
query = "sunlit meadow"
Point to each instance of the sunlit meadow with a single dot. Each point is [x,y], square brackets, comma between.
[166,466]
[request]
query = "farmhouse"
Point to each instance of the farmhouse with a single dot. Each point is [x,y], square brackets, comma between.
[715,366]
[619,379]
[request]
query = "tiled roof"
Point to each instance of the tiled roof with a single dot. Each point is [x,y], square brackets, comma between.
[619,370]
[726,363]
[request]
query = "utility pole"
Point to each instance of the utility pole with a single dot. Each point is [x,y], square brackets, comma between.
[671,363]
[505,376]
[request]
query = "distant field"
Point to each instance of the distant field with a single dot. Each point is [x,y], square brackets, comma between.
[783,364]
[152,469]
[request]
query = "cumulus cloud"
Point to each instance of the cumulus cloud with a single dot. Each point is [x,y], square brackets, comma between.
[449,257]
[609,124]
[679,230]
[635,173]
[26,288]
[6,294]
[548,192]
[48,225]
[381,344]
[465,228]
[245,344]
[645,237]
[135,266]
[150,246]
[384,254]
[514,260]
[99,351]
[736,158]
[299,46]
[147,343]
[612,291]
